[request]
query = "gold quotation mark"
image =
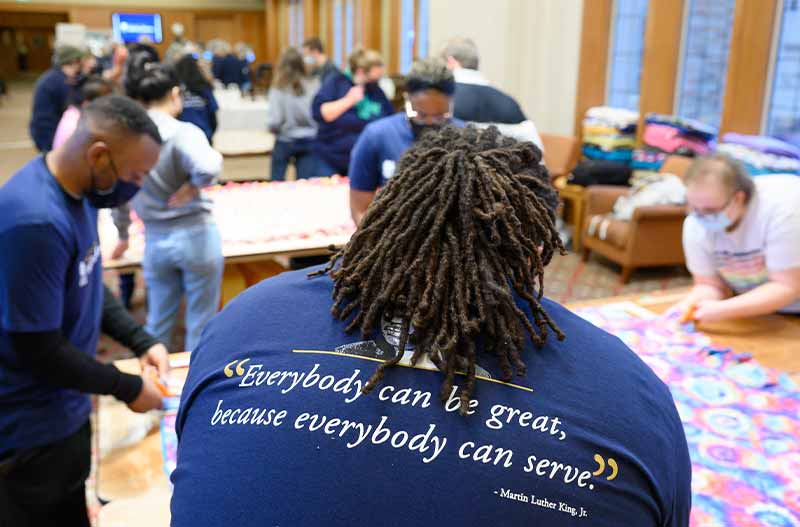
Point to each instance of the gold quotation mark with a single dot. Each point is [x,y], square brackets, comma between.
[602,467]
[239,370]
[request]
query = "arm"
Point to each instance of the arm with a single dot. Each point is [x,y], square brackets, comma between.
[783,262]
[704,288]
[359,203]
[331,111]
[346,121]
[708,285]
[782,289]
[197,157]
[122,221]
[32,286]
[364,174]
[54,361]
[118,324]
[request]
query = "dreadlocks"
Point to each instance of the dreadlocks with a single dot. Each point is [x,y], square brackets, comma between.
[466,223]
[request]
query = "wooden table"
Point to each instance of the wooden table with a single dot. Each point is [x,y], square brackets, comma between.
[235,143]
[318,210]
[132,477]
[290,219]
[135,479]
[574,198]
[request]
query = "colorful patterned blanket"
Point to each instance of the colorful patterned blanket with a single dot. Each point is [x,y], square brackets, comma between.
[742,420]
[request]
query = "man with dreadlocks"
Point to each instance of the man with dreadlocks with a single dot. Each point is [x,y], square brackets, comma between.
[283,422]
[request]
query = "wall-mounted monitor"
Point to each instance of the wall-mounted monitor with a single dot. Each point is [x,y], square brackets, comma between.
[136,27]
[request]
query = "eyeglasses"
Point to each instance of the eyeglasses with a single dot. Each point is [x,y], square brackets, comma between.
[421,118]
[710,212]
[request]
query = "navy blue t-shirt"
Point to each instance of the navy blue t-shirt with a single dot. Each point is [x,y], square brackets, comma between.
[380,145]
[200,109]
[273,429]
[335,139]
[50,98]
[50,279]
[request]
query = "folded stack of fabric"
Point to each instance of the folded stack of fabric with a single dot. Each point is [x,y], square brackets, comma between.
[669,134]
[609,134]
[647,159]
[761,154]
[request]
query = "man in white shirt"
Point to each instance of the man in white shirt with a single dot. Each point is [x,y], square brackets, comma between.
[742,242]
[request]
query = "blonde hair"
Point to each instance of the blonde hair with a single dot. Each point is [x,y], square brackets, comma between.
[725,169]
[364,59]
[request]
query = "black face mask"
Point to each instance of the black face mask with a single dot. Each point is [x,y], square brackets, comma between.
[418,129]
[120,192]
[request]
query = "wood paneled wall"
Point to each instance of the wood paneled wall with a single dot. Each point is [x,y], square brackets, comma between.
[245,25]
[595,41]
[662,37]
[748,66]
[748,60]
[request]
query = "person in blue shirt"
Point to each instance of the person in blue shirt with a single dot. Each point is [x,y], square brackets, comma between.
[345,104]
[315,58]
[199,104]
[51,96]
[430,87]
[421,378]
[53,305]
[234,69]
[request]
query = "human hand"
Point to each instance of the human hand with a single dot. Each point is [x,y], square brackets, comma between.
[356,94]
[183,195]
[150,396]
[157,357]
[710,311]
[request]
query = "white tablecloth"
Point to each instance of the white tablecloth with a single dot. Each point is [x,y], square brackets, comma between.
[240,113]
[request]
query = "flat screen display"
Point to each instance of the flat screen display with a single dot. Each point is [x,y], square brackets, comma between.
[136,27]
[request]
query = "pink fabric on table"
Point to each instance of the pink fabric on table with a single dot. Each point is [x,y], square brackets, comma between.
[66,126]
[670,139]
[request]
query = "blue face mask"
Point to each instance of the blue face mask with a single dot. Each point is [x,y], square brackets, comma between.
[717,222]
[120,192]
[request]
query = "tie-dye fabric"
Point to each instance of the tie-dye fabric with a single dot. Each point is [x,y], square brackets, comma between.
[742,420]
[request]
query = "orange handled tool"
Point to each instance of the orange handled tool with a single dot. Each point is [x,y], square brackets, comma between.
[160,385]
[688,315]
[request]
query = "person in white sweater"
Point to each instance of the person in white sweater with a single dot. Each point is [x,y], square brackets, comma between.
[183,248]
